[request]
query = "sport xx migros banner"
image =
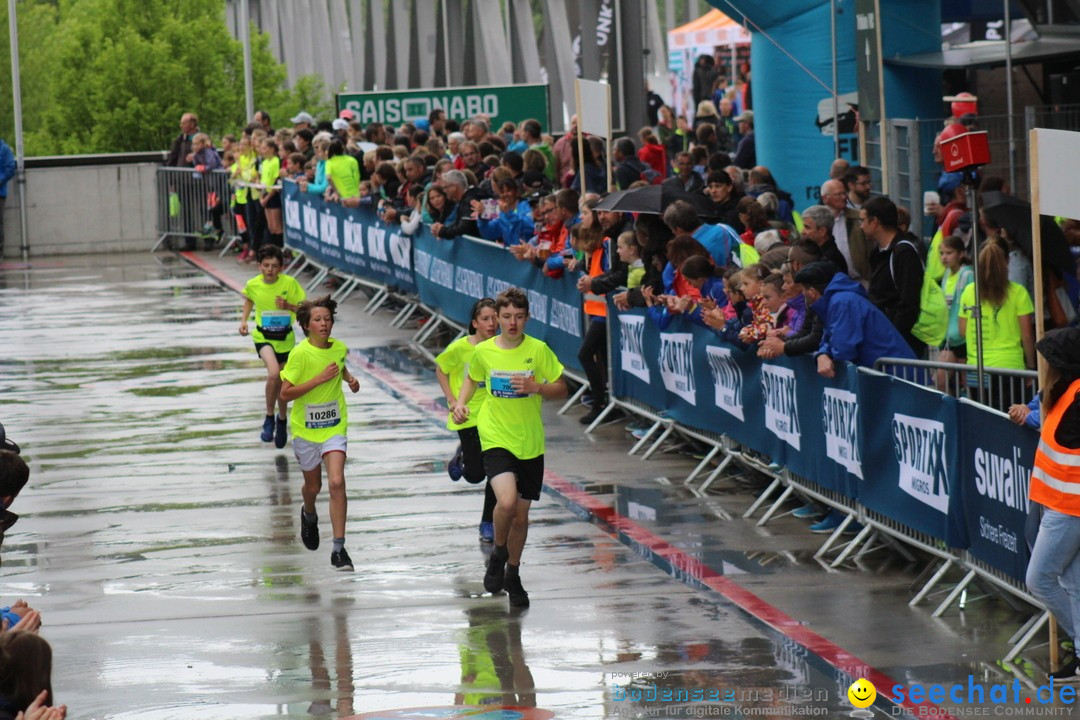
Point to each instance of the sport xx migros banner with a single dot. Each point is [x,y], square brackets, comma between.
[453,274]
[499,102]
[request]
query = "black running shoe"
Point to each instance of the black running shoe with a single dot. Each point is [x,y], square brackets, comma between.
[1069,673]
[516,593]
[496,570]
[341,560]
[309,532]
[280,432]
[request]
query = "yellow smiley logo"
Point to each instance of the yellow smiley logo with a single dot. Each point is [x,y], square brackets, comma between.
[862,693]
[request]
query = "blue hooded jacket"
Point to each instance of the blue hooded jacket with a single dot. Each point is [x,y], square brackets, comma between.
[855,330]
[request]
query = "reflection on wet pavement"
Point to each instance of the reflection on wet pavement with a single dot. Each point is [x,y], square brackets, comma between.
[159,537]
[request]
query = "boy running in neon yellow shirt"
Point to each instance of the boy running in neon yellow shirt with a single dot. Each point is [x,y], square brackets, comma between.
[312,378]
[274,298]
[519,372]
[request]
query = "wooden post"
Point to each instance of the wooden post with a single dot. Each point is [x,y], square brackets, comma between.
[608,159]
[580,137]
[1040,324]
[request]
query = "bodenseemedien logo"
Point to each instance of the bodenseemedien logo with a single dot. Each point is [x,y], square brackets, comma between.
[1002,699]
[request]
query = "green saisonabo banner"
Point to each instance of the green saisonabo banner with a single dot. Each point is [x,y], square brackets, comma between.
[499,102]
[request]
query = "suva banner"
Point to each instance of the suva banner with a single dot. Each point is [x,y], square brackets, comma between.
[498,102]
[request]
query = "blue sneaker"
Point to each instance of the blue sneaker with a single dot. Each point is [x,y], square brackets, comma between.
[807,511]
[268,429]
[487,532]
[828,524]
[586,400]
[455,468]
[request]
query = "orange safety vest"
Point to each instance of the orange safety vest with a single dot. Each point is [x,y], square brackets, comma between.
[596,305]
[1055,479]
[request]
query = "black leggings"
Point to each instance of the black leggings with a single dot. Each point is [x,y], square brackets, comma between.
[593,359]
[473,461]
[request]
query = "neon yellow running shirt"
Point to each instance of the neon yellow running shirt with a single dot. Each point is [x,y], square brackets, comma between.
[268,315]
[320,413]
[454,361]
[510,420]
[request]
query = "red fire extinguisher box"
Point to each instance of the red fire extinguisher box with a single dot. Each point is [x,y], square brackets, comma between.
[965,150]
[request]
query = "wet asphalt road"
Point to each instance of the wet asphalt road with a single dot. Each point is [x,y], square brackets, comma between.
[159,537]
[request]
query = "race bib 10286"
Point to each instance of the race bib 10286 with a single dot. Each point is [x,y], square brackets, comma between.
[322,415]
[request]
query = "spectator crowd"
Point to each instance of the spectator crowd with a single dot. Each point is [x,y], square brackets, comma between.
[843,280]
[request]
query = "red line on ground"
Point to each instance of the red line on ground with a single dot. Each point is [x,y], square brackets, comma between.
[200,262]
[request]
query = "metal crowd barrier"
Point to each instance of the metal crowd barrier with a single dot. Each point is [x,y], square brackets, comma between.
[1002,387]
[193,206]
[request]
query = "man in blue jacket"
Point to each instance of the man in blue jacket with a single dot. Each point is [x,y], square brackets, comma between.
[7,171]
[855,330]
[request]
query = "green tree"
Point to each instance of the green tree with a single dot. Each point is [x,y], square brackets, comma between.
[103,76]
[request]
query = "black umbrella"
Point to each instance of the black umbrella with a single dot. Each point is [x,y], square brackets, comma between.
[1014,216]
[653,200]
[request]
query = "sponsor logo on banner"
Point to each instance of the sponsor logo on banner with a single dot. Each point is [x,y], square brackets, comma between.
[781,410]
[676,367]
[630,345]
[1004,479]
[566,318]
[354,237]
[422,263]
[401,251]
[920,449]
[441,273]
[495,286]
[840,418]
[538,306]
[311,220]
[469,282]
[727,379]
[292,214]
[376,243]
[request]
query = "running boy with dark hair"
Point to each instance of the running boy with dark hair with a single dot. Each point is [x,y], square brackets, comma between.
[311,380]
[519,372]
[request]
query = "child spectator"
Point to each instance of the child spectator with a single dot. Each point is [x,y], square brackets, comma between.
[958,275]
[630,253]
[1008,334]
[772,292]
[794,304]
[703,275]
[761,322]
[295,168]
[411,223]
[514,223]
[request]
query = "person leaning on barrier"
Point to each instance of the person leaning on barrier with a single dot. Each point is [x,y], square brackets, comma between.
[1055,485]
[855,330]
[459,220]
[806,339]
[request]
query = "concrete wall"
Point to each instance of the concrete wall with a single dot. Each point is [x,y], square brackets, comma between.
[85,208]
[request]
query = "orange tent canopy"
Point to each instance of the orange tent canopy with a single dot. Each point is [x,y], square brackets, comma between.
[713,28]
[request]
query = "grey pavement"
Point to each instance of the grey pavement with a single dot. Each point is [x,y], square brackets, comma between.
[159,537]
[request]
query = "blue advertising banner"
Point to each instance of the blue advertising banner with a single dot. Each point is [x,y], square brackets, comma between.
[634,356]
[352,240]
[914,442]
[995,467]
[832,426]
[453,274]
